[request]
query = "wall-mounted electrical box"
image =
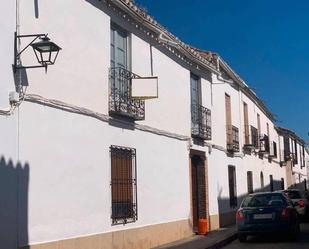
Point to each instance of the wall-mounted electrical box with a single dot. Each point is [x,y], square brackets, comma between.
[13,97]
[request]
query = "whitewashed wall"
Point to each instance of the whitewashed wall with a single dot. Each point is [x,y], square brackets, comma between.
[69,192]
[219,161]
[68,154]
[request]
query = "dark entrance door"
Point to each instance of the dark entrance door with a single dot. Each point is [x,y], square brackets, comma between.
[198,188]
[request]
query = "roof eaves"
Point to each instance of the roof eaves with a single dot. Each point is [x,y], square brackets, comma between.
[131,8]
[246,88]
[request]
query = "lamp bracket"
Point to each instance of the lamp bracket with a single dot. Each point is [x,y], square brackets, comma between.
[17,54]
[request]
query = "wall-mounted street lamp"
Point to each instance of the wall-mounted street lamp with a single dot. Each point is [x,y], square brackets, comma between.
[45,51]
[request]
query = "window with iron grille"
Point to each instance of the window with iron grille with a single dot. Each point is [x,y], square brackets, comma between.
[120,102]
[123,185]
[254,137]
[250,182]
[232,186]
[200,115]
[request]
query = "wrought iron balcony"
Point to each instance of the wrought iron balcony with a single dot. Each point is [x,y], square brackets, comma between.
[252,138]
[120,103]
[200,122]
[232,135]
[264,144]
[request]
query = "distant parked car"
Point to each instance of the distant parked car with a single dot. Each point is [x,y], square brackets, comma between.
[267,212]
[299,200]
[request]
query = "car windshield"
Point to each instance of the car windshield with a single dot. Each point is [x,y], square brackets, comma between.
[293,194]
[263,200]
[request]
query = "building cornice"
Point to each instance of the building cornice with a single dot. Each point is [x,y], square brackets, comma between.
[287,132]
[245,88]
[153,29]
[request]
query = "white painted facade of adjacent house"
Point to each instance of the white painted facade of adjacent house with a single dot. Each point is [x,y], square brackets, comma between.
[294,155]
[61,132]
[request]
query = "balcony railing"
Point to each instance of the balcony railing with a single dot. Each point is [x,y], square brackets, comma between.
[120,103]
[251,137]
[264,144]
[232,138]
[200,122]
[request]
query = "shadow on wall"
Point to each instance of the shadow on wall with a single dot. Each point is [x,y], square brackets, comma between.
[14,182]
[227,212]
[301,186]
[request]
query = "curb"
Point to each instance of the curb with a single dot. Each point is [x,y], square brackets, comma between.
[223,242]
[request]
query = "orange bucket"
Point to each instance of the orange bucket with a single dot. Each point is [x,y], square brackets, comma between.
[202,226]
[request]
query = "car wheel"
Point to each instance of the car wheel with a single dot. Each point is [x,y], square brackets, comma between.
[242,237]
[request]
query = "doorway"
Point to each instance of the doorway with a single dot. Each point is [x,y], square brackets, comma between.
[198,187]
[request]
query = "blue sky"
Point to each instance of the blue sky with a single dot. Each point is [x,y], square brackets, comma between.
[265,42]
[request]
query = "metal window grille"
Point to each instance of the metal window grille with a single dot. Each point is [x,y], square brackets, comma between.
[232,138]
[264,144]
[254,137]
[123,185]
[200,122]
[120,102]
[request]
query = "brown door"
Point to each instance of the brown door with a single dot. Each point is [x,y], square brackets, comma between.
[198,189]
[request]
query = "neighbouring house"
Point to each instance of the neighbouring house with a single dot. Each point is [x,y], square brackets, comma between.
[293,157]
[84,164]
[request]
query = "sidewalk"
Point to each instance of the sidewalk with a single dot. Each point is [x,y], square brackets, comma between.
[213,240]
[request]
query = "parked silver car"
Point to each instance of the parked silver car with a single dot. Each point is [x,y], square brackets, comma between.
[299,200]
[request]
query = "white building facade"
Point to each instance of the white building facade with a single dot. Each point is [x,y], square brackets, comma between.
[88,166]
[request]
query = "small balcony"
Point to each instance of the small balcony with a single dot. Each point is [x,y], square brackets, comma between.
[200,122]
[251,137]
[232,135]
[120,103]
[264,144]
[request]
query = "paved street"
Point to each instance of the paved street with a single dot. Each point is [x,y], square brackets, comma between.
[272,242]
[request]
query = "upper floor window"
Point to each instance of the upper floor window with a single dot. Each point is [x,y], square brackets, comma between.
[286,142]
[119,47]
[295,152]
[200,115]
[246,124]
[120,102]
[275,149]
[232,132]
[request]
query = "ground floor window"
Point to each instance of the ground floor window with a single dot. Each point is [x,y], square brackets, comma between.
[282,183]
[123,185]
[262,180]
[271,183]
[232,186]
[250,182]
